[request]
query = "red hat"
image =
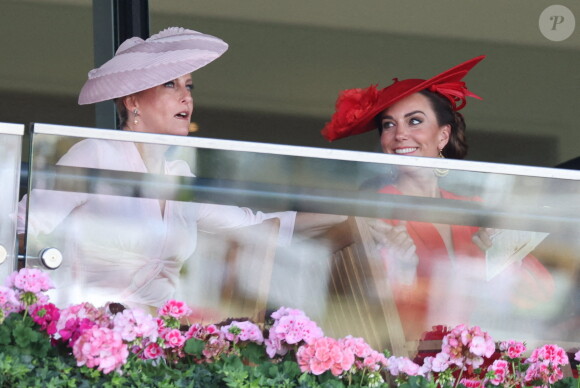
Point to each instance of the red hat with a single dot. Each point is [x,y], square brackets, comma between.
[357,108]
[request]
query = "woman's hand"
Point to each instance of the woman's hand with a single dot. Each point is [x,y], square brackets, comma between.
[397,250]
[483,238]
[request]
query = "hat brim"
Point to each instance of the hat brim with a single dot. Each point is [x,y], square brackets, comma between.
[128,82]
[148,64]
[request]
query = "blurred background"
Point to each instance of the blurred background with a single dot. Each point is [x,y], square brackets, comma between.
[288,59]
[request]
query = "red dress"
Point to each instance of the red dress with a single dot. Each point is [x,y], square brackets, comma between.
[428,241]
[534,284]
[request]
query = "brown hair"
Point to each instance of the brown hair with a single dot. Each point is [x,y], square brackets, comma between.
[122,112]
[457,146]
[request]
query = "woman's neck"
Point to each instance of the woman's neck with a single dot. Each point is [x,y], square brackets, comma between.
[419,184]
[153,155]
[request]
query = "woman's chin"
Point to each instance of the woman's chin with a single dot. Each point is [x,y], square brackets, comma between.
[181,131]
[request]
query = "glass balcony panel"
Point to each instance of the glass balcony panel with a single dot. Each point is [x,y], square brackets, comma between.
[10,151]
[141,234]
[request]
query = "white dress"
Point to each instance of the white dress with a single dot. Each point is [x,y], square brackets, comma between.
[120,248]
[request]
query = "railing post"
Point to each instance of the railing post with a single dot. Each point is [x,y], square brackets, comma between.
[113,22]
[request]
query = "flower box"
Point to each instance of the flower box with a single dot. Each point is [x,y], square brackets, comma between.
[82,345]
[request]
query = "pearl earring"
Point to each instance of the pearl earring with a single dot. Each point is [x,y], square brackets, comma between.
[135,114]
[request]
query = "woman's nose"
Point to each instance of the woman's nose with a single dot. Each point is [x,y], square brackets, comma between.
[186,95]
[401,132]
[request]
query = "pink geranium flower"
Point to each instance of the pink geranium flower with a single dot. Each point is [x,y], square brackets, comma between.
[357,345]
[468,346]
[82,310]
[29,285]
[175,309]
[544,373]
[201,332]
[513,349]
[8,302]
[365,357]
[135,325]
[214,346]
[500,368]
[214,339]
[46,316]
[472,383]
[545,364]
[440,362]
[195,331]
[30,280]
[74,328]
[102,348]
[240,331]
[324,354]
[152,351]
[291,327]
[173,338]
[553,354]
[403,365]
[75,319]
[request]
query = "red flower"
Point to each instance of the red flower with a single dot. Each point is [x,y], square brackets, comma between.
[74,328]
[351,106]
[46,316]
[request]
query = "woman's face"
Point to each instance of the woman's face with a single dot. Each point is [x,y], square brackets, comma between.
[410,127]
[164,109]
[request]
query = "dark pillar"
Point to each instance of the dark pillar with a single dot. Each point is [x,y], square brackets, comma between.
[114,21]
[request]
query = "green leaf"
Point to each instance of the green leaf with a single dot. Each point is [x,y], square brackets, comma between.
[418,382]
[23,336]
[254,353]
[194,347]
[307,380]
[567,382]
[5,335]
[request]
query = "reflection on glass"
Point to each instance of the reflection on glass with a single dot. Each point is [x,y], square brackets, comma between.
[143,238]
[120,243]
[394,281]
[10,148]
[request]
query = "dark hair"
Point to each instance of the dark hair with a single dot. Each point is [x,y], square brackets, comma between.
[121,112]
[456,148]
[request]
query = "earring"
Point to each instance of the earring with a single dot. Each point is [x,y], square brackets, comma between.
[135,114]
[441,172]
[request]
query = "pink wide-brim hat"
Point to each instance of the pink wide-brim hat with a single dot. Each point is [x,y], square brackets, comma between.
[142,64]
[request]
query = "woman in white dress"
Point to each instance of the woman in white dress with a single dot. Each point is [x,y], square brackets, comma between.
[119,248]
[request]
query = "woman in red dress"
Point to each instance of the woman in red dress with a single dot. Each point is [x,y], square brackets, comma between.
[424,261]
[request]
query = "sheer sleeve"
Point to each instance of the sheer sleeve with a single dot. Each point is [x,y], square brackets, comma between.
[213,218]
[48,208]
